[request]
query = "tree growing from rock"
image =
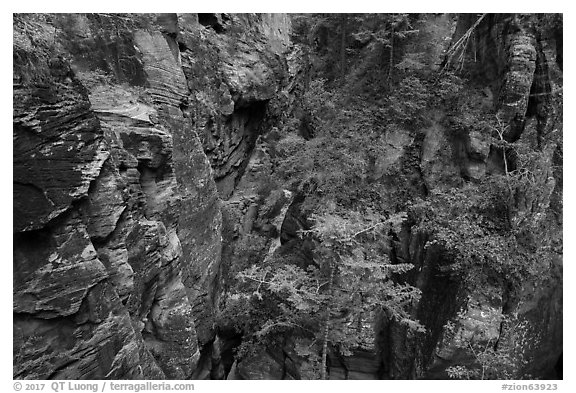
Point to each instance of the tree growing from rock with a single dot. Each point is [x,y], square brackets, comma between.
[493,357]
[331,305]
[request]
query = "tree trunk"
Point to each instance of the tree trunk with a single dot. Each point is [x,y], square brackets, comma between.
[391,61]
[343,48]
[326,328]
[325,346]
[360,316]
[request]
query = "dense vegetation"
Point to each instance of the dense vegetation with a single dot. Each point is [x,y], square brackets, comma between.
[273,196]
[372,78]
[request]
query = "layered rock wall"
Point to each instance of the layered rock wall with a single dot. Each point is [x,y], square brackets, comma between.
[143,181]
[509,60]
[117,221]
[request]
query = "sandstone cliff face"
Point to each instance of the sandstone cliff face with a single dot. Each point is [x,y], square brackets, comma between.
[143,159]
[120,132]
[517,70]
[229,102]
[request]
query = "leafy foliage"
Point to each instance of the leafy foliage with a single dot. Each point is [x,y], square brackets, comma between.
[492,358]
[328,155]
[342,292]
[472,225]
[409,100]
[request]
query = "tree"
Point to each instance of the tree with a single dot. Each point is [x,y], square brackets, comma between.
[359,276]
[460,46]
[332,304]
[471,225]
[496,249]
[493,359]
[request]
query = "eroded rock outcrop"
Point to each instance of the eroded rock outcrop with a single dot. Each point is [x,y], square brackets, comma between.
[232,77]
[116,213]
[510,61]
[144,153]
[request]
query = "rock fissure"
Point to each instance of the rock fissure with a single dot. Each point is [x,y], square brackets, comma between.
[157,156]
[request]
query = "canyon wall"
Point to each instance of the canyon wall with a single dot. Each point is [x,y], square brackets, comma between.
[125,128]
[515,66]
[144,150]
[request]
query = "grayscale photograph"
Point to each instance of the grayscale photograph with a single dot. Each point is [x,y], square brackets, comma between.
[298,196]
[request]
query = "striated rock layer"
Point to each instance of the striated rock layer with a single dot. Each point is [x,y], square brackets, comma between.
[143,150]
[117,221]
[513,65]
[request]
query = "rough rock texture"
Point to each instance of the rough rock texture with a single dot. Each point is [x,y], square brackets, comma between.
[513,66]
[143,159]
[439,169]
[231,78]
[361,365]
[117,222]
